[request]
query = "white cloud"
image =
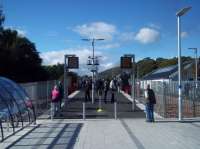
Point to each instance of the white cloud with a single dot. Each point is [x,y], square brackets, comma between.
[54,57]
[152,25]
[21,32]
[108,46]
[147,35]
[127,36]
[107,65]
[184,34]
[96,30]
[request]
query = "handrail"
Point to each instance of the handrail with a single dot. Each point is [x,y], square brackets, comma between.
[2,134]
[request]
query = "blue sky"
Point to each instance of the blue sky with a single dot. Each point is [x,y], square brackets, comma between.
[146,28]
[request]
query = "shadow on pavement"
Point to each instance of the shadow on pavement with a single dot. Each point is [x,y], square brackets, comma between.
[177,121]
[52,135]
[73,109]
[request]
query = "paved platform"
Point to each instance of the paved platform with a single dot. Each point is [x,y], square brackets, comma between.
[74,108]
[107,133]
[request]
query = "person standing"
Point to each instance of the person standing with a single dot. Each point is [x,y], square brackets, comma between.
[113,87]
[106,88]
[100,87]
[87,90]
[150,101]
[60,88]
[54,100]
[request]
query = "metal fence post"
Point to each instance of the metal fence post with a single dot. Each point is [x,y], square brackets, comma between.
[83,110]
[115,109]
[47,93]
[2,135]
[164,99]
[52,111]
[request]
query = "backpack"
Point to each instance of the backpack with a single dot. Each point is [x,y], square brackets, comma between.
[151,95]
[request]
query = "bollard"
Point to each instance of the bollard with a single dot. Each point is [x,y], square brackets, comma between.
[7,124]
[52,111]
[115,109]
[83,110]
[2,135]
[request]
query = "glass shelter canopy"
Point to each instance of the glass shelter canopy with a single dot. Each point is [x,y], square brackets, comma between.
[16,108]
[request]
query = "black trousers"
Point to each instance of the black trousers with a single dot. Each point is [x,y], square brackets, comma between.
[105,95]
[87,95]
[113,97]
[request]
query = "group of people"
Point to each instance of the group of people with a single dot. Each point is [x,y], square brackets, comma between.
[101,87]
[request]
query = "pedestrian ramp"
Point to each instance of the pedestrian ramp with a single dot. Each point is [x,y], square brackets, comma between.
[78,108]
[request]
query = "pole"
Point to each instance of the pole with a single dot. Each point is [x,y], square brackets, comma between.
[83,110]
[115,109]
[179,71]
[92,71]
[65,78]
[133,83]
[196,61]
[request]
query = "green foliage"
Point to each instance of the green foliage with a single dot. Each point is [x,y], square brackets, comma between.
[110,73]
[19,59]
[145,66]
[54,71]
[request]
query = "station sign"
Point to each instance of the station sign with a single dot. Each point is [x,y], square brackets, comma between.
[126,62]
[73,62]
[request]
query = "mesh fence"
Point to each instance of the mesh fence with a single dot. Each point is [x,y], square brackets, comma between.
[40,94]
[167,97]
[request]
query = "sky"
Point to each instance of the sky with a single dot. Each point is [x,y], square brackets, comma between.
[146,28]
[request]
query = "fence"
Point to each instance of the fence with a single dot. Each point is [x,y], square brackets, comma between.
[40,93]
[167,98]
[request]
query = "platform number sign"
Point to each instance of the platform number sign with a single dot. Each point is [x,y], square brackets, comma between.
[126,62]
[73,62]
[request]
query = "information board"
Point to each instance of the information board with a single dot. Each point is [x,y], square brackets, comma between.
[73,62]
[126,62]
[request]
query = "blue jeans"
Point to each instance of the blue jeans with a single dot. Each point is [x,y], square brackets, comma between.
[149,112]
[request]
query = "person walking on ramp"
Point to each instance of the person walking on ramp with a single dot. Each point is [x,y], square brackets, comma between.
[113,87]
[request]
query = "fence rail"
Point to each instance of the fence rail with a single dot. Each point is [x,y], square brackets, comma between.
[40,94]
[167,97]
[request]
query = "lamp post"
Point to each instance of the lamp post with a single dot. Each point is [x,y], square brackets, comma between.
[196,65]
[179,14]
[93,63]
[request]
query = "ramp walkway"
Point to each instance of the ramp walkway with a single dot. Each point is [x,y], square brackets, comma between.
[103,132]
[73,109]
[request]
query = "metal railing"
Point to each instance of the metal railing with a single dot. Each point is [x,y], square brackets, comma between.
[167,97]
[40,94]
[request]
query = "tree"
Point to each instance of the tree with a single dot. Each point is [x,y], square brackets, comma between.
[146,66]
[19,59]
[54,71]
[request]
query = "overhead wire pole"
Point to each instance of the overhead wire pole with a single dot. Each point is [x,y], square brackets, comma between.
[93,63]
[196,66]
[179,14]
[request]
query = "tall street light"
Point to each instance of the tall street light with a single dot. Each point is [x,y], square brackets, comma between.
[179,14]
[196,65]
[93,62]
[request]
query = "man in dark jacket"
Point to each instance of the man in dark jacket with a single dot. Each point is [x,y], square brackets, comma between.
[106,88]
[150,101]
[87,87]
